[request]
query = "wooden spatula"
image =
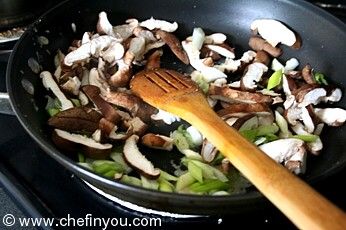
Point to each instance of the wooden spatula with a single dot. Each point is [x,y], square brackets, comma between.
[171,91]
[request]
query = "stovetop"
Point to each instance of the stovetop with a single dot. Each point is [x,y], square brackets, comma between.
[43,188]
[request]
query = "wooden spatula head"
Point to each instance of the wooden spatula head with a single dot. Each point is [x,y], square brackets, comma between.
[160,86]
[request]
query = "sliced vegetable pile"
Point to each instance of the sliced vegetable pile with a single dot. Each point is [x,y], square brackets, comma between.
[274,105]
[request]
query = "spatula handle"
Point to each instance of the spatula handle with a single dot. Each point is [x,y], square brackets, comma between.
[304,206]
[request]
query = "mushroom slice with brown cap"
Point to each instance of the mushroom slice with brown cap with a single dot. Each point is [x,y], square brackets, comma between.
[120,136]
[230,95]
[122,76]
[262,57]
[157,141]
[307,120]
[223,51]
[331,116]
[274,32]
[333,95]
[154,60]
[93,93]
[152,24]
[283,149]
[94,47]
[96,80]
[165,117]
[258,44]
[72,86]
[309,94]
[99,44]
[125,31]
[242,109]
[216,39]
[208,53]
[106,127]
[137,48]
[153,45]
[294,113]
[297,163]
[253,74]
[174,44]
[49,83]
[103,25]
[76,119]
[137,126]
[210,73]
[114,52]
[136,106]
[146,34]
[137,160]
[314,147]
[83,98]
[307,74]
[80,54]
[85,38]
[208,151]
[75,142]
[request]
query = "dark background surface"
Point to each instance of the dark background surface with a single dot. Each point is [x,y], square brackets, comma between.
[32,184]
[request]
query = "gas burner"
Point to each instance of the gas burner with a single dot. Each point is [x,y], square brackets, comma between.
[11,34]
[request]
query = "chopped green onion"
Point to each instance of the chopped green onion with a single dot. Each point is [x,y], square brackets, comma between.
[103,166]
[282,123]
[110,174]
[306,137]
[202,83]
[267,129]
[320,78]
[119,158]
[195,171]
[218,158]
[81,158]
[275,79]
[53,106]
[271,137]
[150,184]
[198,36]
[210,172]
[184,181]
[57,103]
[182,139]
[131,180]
[53,111]
[76,102]
[165,186]
[86,165]
[262,130]
[250,135]
[166,176]
[209,185]
[192,154]
[249,124]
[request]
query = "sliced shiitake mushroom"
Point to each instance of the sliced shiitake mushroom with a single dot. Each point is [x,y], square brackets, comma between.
[108,111]
[77,119]
[228,94]
[157,141]
[71,142]
[137,160]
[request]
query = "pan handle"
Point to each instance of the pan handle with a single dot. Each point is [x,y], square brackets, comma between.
[5,105]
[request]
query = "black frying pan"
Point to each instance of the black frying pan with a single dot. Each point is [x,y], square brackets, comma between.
[323,47]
